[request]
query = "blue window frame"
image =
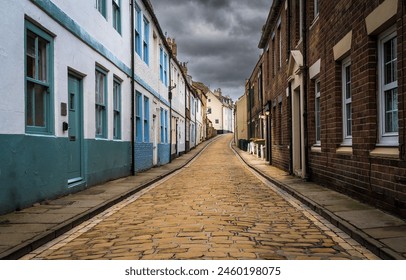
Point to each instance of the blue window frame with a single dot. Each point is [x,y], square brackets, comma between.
[101,7]
[116,109]
[161,64]
[165,69]
[145,54]
[164,126]
[137,30]
[146,119]
[38,80]
[138,114]
[117,15]
[101,103]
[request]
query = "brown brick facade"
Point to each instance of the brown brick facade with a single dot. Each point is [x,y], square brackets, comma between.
[340,37]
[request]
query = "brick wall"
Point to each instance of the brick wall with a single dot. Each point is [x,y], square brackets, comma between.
[377,180]
[163,154]
[143,156]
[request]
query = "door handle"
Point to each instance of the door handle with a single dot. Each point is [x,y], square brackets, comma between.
[72,138]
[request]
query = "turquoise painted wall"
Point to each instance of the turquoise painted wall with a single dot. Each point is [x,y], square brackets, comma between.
[34,168]
[107,160]
[31,170]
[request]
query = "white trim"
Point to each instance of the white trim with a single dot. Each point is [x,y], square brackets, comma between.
[317,95]
[391,138]
[347,139]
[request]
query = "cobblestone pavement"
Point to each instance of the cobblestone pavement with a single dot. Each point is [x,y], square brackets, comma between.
[214,208]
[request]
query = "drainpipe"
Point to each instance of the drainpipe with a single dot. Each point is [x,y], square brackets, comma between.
[186,118]
[268,131]
[305,89]
[132,91]
[196,122]
[290,113]
[170,107]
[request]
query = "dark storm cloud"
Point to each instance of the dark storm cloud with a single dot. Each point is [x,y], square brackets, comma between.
[218,38]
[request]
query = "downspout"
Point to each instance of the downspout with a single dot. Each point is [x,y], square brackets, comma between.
[196,122]
[170,107]
[305,89]
[269,132]
[186,117]
[290,123]
[132,90]
[290,129]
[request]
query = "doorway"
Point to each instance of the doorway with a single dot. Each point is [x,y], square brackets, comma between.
[75,130]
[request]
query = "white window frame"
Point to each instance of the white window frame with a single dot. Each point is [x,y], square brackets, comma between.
[347,137]
[317,111]
[385,138]
[316,8]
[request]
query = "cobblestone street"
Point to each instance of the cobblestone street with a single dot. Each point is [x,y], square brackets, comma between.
[214,208]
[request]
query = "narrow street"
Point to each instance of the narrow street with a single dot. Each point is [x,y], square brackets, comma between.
[214,208]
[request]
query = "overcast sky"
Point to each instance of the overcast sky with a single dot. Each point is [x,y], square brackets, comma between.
[218,38]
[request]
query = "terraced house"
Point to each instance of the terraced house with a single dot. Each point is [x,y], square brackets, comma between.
[87,96]
[330,88]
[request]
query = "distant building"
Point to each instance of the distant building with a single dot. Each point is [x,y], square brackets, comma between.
[220,111]
[241,131]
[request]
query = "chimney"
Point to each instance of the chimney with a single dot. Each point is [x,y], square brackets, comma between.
[183,65]
[172,44]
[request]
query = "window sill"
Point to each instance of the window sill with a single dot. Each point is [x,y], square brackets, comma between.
[385,152]
[345,150]
[315,20]
[316,149]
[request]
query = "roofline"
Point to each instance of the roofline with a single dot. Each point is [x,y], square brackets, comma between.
[267,28]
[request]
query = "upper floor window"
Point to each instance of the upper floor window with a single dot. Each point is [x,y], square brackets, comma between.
[347,101]
[117,15]
[137,31]
[145,54]
[388,88]
[38,80]
[101,7]
[163,66]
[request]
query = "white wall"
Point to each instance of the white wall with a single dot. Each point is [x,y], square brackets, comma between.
[216,111]
[69,51]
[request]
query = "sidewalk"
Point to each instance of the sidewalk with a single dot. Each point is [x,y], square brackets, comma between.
[381,233]
[23,231]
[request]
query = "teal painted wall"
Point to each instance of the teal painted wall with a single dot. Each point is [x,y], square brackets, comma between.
[31,169]
[34,168]
[107,160]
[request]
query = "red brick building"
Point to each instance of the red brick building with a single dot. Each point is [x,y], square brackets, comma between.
[333,81]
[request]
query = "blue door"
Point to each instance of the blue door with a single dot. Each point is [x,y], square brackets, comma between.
[75,130]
